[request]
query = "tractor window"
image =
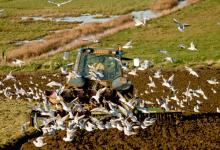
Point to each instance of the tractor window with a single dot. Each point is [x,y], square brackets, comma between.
[107,66]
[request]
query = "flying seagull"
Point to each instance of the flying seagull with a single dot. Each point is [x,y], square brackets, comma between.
[180,26]
[59,4]
[140,22]
[127,45]
[192,47]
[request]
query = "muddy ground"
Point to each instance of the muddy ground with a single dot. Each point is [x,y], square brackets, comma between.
[202,133]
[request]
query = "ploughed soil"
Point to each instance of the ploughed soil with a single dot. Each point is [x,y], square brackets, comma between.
[202,133]
[191,133]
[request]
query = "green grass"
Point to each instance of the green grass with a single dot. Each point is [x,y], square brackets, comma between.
[13,29]
[76,7]
[162,34]
[12,117]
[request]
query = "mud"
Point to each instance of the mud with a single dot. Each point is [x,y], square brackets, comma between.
[202,133]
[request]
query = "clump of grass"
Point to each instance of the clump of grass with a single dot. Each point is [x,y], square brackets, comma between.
[57,40]
[164,4]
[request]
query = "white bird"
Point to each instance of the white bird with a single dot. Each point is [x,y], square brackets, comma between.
[127,45]
[157,74]
[89,126]
[163,51]
[196,108]
[217,110]
[39,142]
[70,133]
[182,46]
[133,72]
[151,84]
[64,70]
[213,81]
[147,122]
[180,26]
[191,71]
[192,47]
[9,77]
[214,91]
[59,4]
[53,83]
[169,59]
[98,94]
[18,62]
[140,22]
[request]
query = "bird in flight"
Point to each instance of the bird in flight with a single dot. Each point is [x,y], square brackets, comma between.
[180,26]
[59,4]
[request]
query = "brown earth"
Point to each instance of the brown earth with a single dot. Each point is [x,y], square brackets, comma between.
[203,133]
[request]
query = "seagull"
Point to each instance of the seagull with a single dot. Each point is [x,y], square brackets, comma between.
[127,45]
[60,4]
[180,26]
[39,142]
[218,110]
[64,70]
[133,72]
[9,77]
[98,94]
[18,62]
[196,108]
[181,46]
[70,133]
[151,84]
[53,83]
[163,51]
[213,81]
[157,74]
[192,47]
[169,59]
[140,22]
[191,71]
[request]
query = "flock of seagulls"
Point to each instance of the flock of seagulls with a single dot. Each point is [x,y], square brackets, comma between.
[121,116]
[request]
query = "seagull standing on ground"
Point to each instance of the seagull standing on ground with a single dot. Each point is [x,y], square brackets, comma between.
[39,142]
[17,62]
[59,4]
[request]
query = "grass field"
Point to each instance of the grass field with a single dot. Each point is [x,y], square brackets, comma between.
[13,29]
[76,7]
[162,33]
[12,117]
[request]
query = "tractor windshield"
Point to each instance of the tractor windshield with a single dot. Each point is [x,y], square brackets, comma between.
[106,66]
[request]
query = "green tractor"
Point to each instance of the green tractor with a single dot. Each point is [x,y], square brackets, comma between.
[95,69]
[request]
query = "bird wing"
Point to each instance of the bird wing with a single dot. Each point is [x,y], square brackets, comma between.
[177,22]
[52,2]
[65,2]
[138,22]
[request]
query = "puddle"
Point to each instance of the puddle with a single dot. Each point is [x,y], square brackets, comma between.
[25,42]
[84,18]
[152,14]
[87,18]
